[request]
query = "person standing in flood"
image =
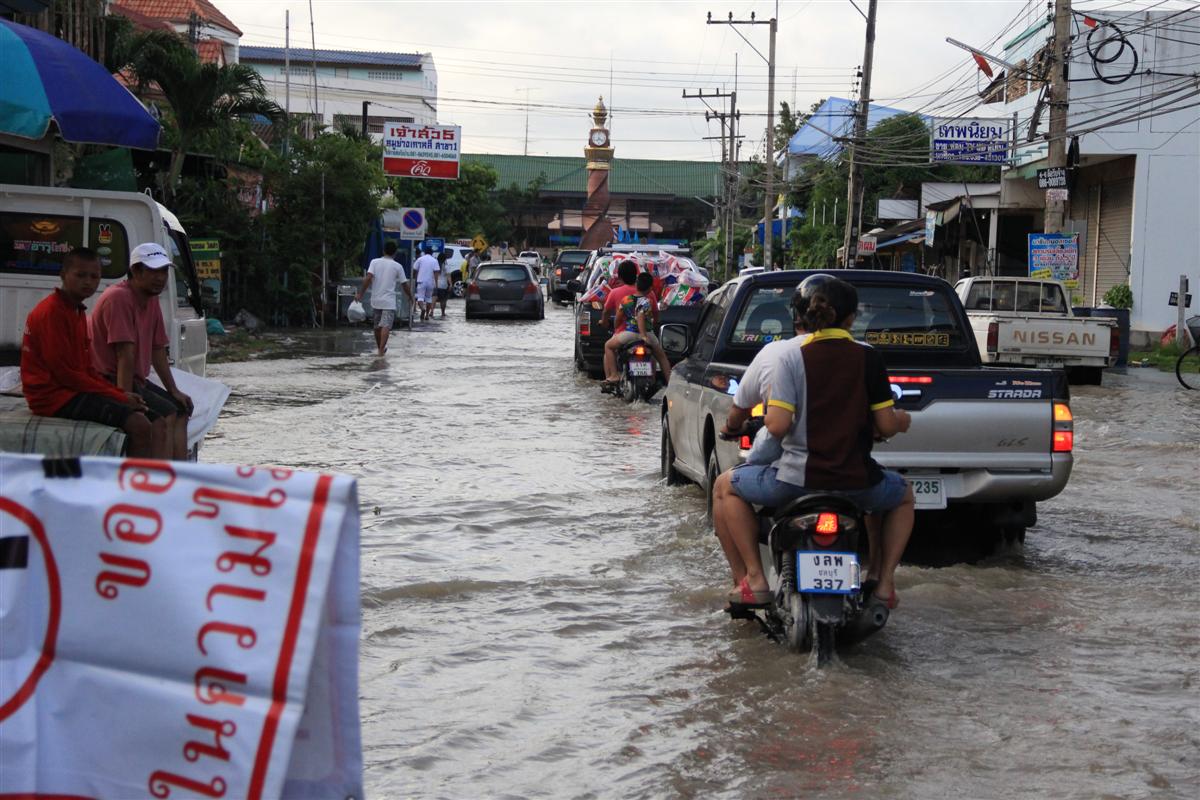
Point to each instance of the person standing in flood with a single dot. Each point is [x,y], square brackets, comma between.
[426,269]
[442,292]
[382,275]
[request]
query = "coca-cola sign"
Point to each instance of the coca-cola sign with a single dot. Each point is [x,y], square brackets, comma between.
[421,151]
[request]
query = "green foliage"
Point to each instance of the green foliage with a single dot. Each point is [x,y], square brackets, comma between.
[463,207]
[1119,296]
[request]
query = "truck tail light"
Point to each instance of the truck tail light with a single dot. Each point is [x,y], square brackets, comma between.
[1114,343]
[1064,429]
[993,337]
[558,272]
[585,324]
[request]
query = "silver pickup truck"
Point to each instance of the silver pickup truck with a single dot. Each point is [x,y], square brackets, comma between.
[986,441]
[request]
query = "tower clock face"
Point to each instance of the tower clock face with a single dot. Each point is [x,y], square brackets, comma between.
[599,138]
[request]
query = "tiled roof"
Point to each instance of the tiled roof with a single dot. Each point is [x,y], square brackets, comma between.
[139,20]
[211,51]
[630,176]
[251,52]
[180,10]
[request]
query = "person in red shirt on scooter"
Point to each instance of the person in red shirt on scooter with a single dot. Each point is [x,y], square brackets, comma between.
[57,376]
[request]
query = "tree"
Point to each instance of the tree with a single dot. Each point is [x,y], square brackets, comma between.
[463,207]
[203,97]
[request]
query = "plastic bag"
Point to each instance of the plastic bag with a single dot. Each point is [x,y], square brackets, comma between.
[355,311]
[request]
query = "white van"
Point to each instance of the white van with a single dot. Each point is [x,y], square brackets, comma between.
[40,225]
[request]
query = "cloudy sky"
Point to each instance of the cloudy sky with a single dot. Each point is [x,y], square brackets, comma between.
[494,57]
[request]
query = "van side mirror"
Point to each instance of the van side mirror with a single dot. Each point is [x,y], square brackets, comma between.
[676,341]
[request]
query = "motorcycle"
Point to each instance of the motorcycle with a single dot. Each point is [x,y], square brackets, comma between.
[810,555]
[639,372]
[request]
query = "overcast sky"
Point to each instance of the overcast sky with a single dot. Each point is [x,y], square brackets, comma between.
[564,54]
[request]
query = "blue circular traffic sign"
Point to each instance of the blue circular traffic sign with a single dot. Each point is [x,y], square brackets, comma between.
[413,219]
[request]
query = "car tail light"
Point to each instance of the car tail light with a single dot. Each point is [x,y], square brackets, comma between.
[1114,343]
[640,351]
[1064,429]
[473,291]
[827,523]
[993,337]
[745,443]
[531,288]
[558,272]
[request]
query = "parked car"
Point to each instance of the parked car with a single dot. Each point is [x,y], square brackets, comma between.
[505,289]
[588,334]
[987,442]
[567,267]
[533,258]
[1026,322]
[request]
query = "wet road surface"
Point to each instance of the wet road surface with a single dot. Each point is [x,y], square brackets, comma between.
[541,617]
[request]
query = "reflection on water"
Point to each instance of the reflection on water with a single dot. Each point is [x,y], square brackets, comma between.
[541,618]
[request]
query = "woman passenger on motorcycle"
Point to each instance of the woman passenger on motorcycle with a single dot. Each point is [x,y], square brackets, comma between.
[830,398]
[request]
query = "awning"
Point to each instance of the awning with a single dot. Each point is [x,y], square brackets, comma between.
[916,237]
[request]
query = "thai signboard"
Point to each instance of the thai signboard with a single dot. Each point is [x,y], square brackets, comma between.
[177,630]
[1055,256]
[1052,178]
[421,151]
[867,245]
[970,141]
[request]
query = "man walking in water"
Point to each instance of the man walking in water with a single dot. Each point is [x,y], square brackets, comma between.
[381,279]
[426,269]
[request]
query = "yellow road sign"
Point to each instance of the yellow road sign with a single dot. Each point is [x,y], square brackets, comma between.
[479,244]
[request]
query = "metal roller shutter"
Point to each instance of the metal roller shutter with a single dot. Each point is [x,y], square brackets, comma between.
[1109,233]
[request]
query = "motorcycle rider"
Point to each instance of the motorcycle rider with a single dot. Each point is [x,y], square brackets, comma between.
[637,318]
[829,399]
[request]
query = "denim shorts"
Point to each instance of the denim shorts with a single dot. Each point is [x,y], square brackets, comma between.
[757,484]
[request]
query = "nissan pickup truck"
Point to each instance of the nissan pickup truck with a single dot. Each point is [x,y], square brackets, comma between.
[985,441]
[1025,322]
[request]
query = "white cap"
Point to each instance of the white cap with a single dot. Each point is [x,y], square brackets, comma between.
[150,255]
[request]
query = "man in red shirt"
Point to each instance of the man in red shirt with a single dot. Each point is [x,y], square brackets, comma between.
[57,376]
[129,337]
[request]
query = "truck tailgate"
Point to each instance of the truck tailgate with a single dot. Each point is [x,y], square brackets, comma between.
[996,420]
[1054,337]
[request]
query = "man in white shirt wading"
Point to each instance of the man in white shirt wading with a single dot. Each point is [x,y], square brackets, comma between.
[426,269]
[381,279]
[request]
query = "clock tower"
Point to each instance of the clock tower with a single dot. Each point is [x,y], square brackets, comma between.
[597,228]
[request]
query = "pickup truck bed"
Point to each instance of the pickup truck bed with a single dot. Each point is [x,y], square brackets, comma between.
[981,437]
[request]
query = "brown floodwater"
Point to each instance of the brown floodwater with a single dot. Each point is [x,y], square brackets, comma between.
[542,616]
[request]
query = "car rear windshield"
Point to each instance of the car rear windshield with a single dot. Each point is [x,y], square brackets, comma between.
[895,317]
[502,274]
[574,257]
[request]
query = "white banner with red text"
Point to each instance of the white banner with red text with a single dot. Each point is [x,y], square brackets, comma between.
[177,630]
[421,151]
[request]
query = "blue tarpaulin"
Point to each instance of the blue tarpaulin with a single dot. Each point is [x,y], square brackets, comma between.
[836,115]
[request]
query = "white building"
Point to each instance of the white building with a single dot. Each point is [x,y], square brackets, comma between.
[402,87]
[1135,200]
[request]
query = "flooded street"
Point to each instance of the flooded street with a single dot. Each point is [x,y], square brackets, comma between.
[541,616]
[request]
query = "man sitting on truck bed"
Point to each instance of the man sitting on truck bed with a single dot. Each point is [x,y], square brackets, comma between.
[128,337]
[57,376]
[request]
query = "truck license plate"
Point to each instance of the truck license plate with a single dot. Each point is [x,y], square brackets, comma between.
[929,493]
[641,369]
[823,572]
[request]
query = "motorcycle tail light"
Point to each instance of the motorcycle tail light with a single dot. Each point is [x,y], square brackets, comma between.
[745,443]
[640,351]
[827,523]
[993,337]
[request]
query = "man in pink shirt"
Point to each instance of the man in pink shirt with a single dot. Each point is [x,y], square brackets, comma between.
[129,337]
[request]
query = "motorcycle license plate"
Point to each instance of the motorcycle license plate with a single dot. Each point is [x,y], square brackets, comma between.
[641,369]
[824,572]
[929,493]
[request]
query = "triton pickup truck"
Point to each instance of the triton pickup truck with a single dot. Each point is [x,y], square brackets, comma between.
[984,441]
[1025,322]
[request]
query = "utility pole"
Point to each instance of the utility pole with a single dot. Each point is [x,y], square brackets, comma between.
[769,203]
[1059,88]
[854,192]
[728,160]
[312,26]
[366,105]
[287,81]
[527,90]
